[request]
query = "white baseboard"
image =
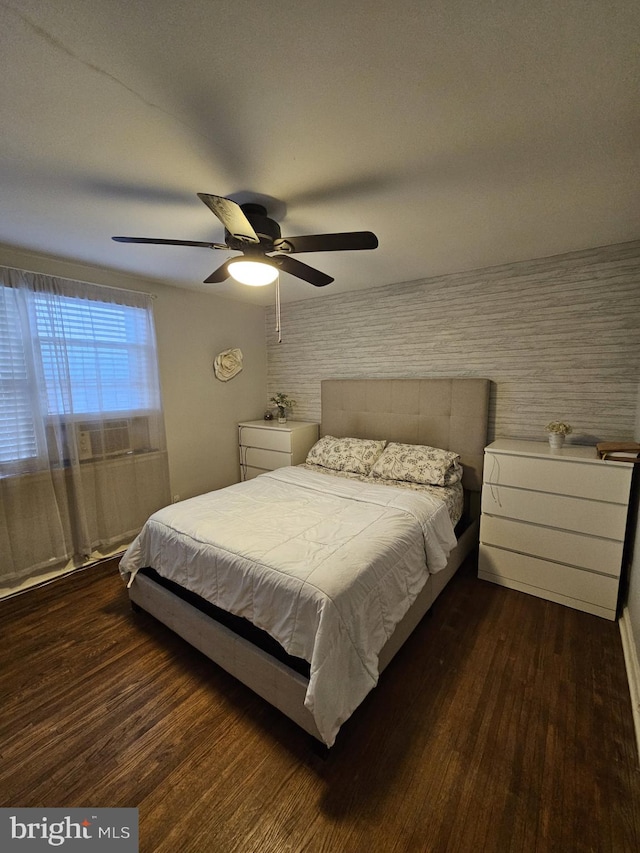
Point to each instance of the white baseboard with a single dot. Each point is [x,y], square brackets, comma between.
[633,671]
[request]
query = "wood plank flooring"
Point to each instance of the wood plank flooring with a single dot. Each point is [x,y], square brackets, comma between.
[504,724]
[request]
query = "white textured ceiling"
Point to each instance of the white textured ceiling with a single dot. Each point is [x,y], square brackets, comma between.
[465,133]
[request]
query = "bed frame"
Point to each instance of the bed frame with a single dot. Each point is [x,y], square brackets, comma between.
[447,413]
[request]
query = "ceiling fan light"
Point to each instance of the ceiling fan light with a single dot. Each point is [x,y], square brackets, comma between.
[255,273]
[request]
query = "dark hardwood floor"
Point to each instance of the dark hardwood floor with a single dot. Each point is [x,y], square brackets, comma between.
[504,724]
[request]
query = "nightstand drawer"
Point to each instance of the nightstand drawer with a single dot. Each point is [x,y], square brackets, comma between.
[559,476]
[255,457]
[549,580]
[269,439]
[266,446]
[250,473]
[581,516]
[561,546]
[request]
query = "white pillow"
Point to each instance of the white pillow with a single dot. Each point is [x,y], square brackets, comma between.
[418,463]
[346,454]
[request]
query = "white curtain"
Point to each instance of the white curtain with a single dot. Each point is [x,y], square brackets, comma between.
[82,447]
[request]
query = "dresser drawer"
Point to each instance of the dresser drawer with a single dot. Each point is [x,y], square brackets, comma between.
[561,546]
[595,480]
[547,579]
[269,439]
[581,516]
[255,457]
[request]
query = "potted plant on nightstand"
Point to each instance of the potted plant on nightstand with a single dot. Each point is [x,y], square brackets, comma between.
[284,405]
[557,432]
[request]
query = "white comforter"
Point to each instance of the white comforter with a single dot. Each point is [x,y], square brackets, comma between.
[327,566]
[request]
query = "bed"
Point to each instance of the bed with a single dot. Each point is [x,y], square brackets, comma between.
[304,582]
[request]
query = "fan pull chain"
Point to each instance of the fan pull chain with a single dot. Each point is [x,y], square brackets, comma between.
[278,323]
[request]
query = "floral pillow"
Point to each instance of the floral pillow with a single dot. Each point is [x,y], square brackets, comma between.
[418,463]
[345,454]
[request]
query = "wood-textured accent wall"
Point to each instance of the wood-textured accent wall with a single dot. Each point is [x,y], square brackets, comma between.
[558,337]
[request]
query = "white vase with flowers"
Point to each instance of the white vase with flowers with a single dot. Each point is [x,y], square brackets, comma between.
[284,404]
[557,431]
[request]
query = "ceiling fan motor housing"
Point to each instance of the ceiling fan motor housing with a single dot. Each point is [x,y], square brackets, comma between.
[266,229]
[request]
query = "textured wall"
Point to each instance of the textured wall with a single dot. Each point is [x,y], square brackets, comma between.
[559,338]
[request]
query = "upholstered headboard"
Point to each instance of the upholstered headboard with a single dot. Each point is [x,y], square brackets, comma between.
[447,413]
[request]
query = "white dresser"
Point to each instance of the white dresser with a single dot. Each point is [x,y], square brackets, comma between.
[553,523]
[266,445]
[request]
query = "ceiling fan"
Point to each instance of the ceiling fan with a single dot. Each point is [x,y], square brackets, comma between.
[248,229]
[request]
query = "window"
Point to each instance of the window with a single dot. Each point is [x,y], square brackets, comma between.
[107,350]
[70,352]
[17,425]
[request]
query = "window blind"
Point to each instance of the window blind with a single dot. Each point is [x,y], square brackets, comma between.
[108,351]
[17,425]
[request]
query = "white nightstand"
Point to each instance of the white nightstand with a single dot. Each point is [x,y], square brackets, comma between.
[266,445]
[553,523]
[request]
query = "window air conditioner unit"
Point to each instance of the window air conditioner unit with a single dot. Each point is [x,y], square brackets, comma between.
[111,439]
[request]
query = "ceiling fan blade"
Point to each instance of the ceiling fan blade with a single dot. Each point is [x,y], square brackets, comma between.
[303,271]
[232,217]
[347,241]
[169,242]
[221,274]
